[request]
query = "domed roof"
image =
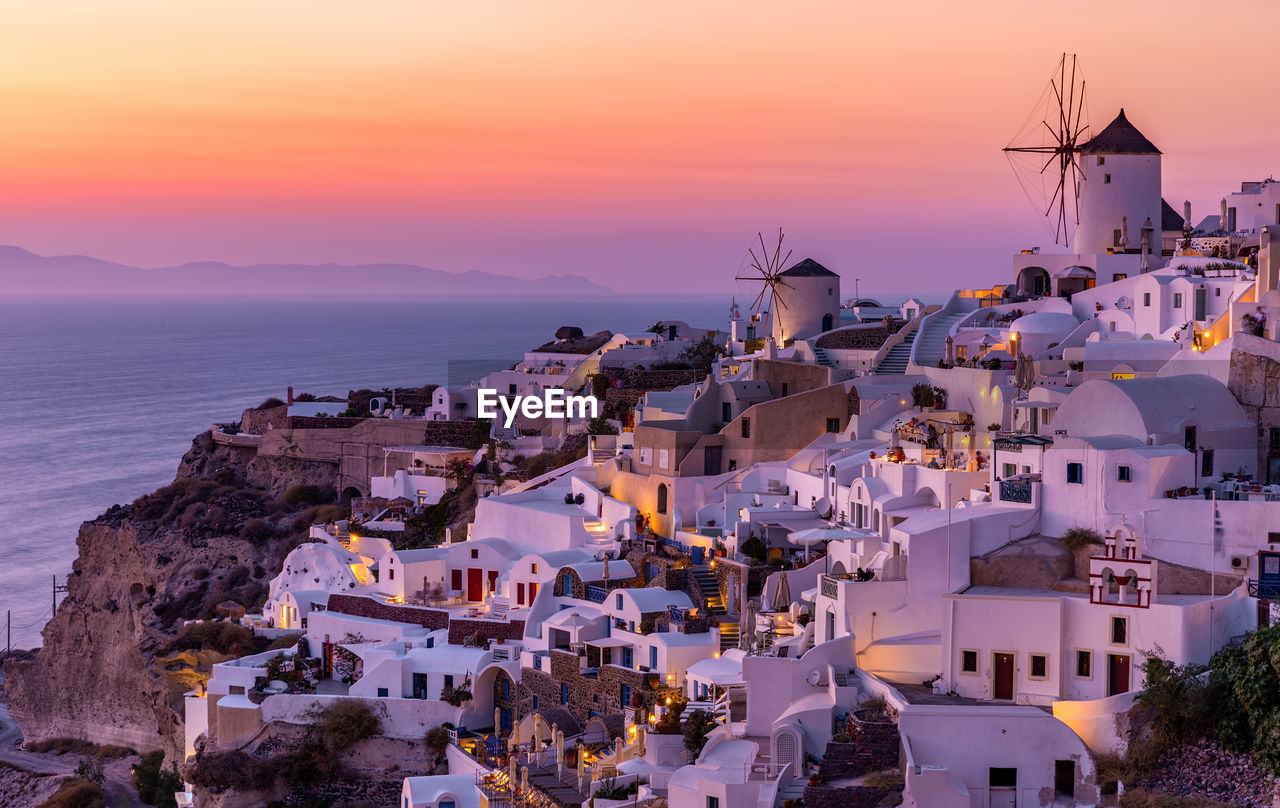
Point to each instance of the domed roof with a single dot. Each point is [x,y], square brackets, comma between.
[1045,322]
[808,268]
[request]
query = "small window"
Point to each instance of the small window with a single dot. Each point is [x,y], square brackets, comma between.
[1009,469]
[833,424]
[746,427]
[1189,439]
[383,692]
[1124,474]
[1102,159]
[1115,238]
[391,573]
[1064,777]
[1084,664]
[1075,473]
[968,661]
[999,777]
[1106,179]
[511,389]
[1177,300]
[1146,298]
[1217,292]
[785,389]
[713,802]
[1274,437]
[564,694]
[617,601]
[533,568]
[1206,463]
[1039,666]
[535,700]
[455,580]
[235,690]
[1119,276]
[475,553]
[1119,631]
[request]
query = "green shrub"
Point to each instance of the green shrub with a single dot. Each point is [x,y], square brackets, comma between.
[922,395]
[345,723]
[754,549]
[234,770]
[270,403]
[90,769]
[437,741]
[157,784]
[76,794]
[257,530]
[456,696]
[1079,537]
[888,778]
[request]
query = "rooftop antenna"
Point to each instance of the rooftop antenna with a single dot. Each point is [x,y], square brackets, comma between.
[769,266]
[1046,145]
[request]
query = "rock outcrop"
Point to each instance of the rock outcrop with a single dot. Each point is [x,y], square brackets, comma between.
[106,672]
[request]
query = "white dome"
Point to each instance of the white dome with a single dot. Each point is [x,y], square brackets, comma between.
[1045,322]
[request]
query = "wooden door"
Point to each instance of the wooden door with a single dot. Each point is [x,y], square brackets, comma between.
[1117,674]
[1002,672]
[475,584]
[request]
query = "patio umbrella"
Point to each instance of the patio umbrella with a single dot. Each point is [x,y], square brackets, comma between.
[747,630]
[559,754]
[951,350]
[782,595]
[511,774]
[524,780]
[813,535]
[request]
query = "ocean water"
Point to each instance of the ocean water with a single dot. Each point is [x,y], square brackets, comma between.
[99,400]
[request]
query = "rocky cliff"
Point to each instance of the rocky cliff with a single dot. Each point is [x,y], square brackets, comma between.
[114,666]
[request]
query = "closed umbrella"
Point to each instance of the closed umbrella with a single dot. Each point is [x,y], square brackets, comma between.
[1222,217]
[1124,232]
[747,631]
[782,595]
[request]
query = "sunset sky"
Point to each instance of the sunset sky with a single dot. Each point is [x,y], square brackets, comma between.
[633,143]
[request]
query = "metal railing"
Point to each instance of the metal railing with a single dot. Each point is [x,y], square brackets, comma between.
[597,594]
[1264,589]
[1015,491]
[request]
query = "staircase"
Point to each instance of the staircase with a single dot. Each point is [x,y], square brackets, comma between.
[710,587]
[895,361]
[729,636]
[598,535]
[823,359]
[601,456]
[933,343]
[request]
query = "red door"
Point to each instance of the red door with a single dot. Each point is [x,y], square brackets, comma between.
[1003,672]
[533,590]
[1117,674]
[475,584]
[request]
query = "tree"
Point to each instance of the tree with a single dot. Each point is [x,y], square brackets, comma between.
[459,471]
[437,741]
[702,354]
[600,426]
[696,728]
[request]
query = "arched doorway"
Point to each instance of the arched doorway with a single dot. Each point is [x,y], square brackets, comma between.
[827,322]
[662,498]
[351,492]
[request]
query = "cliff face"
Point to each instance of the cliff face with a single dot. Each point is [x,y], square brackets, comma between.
[108,671]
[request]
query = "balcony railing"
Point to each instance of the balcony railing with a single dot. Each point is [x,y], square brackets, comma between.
[1264,589]
[830,587]
[1015,491]
[597,594]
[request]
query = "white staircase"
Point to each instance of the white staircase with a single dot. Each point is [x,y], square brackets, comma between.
[896,359]
[931,346]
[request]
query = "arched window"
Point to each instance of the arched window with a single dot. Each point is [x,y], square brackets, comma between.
[662,498]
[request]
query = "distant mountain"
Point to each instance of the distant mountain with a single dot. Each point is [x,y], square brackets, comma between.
[25,273]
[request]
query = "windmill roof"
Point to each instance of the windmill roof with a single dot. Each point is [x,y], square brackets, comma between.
[1170,219]
[1120,137]
[808,268]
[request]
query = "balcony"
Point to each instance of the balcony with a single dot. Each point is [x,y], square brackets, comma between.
[1269,589]
[1018,491]
[830,587]
[597,594]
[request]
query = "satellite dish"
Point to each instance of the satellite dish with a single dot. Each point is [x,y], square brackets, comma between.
[814,678]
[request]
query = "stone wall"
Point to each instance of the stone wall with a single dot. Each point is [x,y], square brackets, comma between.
[482,631]
[362,606]
[1254,379]
[868,338]
[600,693]
[452,433]
[845,797]
[257,422]
[873,745]
[315,422]
[579,586]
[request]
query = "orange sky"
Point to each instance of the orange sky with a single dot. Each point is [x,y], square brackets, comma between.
[607,139]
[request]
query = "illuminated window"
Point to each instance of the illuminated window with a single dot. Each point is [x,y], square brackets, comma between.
[1084,664]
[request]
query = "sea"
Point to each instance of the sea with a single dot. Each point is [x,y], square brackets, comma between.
[99,400]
